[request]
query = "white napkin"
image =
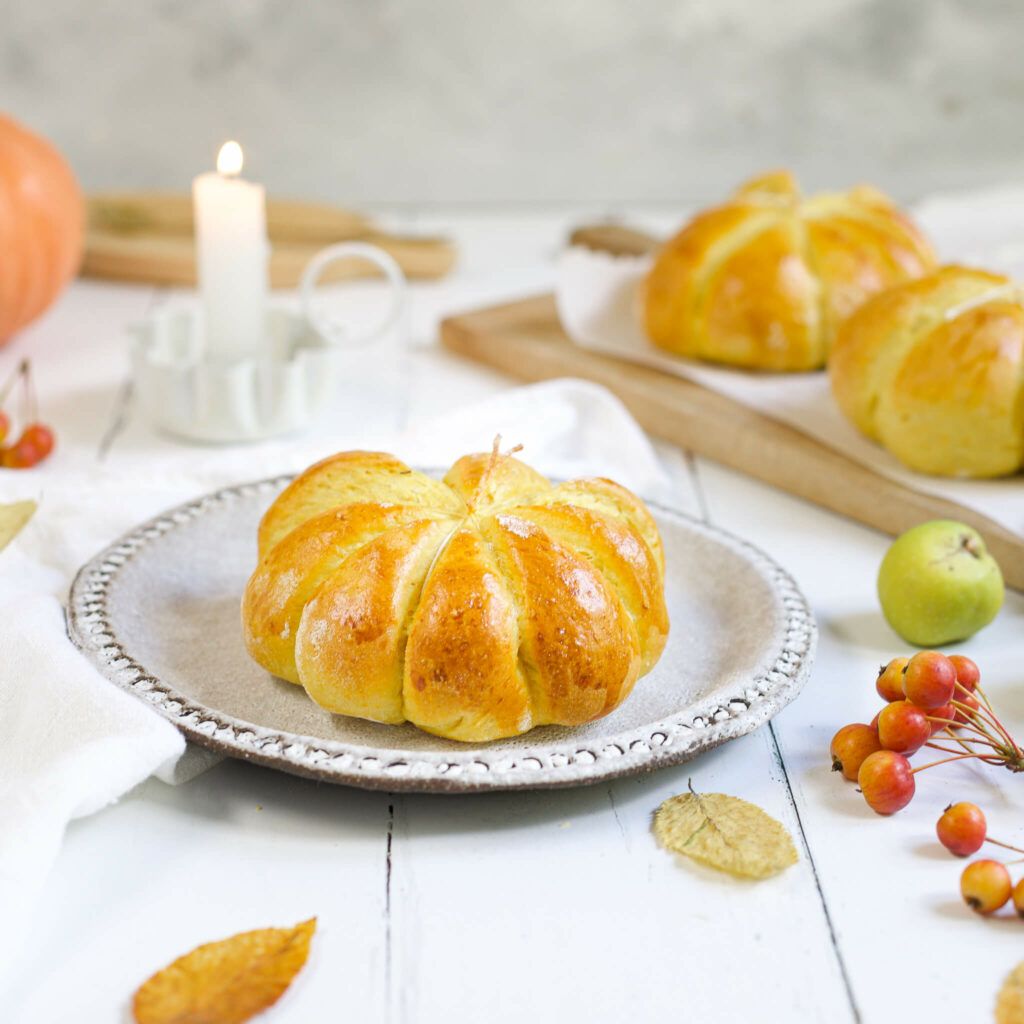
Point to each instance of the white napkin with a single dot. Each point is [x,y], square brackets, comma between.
[597,302]
[71,742]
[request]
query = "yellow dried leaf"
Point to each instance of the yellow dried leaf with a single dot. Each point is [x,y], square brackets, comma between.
[724,832]
[1010,1003]
[13,518]
[225,982]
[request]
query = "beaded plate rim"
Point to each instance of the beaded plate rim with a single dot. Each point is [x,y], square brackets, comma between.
[699,727]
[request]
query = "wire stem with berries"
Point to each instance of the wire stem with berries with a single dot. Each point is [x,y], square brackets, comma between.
[934,702]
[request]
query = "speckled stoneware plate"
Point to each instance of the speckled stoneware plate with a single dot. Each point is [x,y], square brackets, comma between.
[158,614]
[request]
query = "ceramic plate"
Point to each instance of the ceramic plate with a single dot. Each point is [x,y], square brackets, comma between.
[158,614]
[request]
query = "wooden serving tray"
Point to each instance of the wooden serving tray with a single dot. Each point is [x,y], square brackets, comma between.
[526,340]
[147,237]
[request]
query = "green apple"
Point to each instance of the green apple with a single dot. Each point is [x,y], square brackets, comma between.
[938,584]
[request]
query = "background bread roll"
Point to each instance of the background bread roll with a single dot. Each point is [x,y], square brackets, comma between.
[764,280]
[934,370]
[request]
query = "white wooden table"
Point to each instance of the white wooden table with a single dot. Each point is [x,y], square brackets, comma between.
[547,907]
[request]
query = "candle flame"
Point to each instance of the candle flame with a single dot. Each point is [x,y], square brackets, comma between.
[229,159]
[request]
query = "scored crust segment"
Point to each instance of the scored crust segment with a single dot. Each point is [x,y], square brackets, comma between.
[934,371]
[476,607]
[764,280]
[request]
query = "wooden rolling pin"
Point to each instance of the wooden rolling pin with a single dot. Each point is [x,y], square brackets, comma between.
[147,237]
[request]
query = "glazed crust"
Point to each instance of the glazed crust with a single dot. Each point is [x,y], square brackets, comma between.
[476,607]
[934,371]
[765,280]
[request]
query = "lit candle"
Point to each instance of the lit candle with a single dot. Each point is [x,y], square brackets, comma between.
[231,257]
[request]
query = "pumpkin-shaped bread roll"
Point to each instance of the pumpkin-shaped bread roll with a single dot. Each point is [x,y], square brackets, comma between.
[475,607]
[934,371]
[765,280]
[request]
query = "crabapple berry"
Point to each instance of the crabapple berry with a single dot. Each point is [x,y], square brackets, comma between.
[889,683]
[40,437]
[985,885]
[1018,898]
[21,455]
[850,746]
[961,829]
[929,679]
[968,675]
[903,727]
[886,781]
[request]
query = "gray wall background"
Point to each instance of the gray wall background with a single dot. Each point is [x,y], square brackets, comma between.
[516,101]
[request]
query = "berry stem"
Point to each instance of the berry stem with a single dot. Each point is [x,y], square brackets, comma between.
[1006,733]
[970,726]
[1005,846]
[981,715]
[945,760]
[987,758]
[12,378]
[31,398]
[963,741]
[984,696]
[959,739]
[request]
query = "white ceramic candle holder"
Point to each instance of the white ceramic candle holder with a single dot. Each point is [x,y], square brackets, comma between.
[278,390]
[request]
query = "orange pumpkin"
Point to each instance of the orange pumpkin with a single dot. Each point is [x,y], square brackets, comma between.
[42,225]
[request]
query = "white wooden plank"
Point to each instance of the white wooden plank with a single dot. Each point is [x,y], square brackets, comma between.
[170,867]
[560,905]
[556,906]
[79,357]
[892,891]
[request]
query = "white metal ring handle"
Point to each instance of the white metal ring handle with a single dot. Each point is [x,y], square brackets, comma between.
[333,331]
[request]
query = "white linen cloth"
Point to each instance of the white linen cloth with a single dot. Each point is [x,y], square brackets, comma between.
[597,301]
[71,742]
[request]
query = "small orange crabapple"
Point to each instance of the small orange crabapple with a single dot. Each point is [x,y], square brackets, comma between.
[962,829]
[968,675]
[929,679]
[850,746]
[903,727]
[889,683]
[1018,898]
[886,781]
[985,886]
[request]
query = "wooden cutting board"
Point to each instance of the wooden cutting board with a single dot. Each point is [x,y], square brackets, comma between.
[147,237]
[526,340]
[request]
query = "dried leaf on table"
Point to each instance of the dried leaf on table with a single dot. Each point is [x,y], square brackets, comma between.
[13,518]
[225,982]
[1010,1002]
[726,833]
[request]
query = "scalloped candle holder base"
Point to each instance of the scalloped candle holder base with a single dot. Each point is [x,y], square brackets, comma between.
[278,392]
[281,388]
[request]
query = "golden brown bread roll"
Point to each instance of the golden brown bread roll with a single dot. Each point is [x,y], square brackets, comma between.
[476,607]
[934,370]
[764,281]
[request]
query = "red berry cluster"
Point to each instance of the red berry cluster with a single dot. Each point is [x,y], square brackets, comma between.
[929,697]
[36,440]
[985,884]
